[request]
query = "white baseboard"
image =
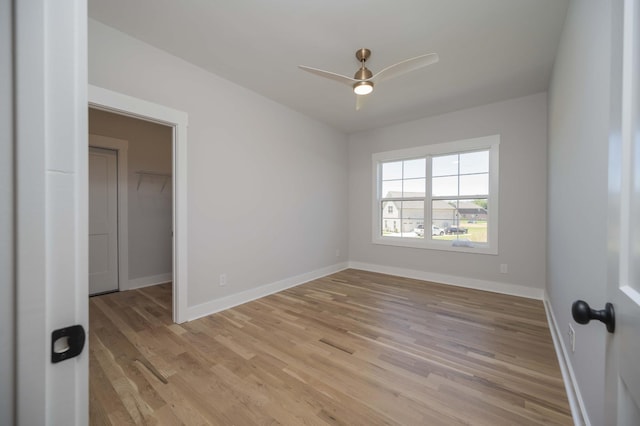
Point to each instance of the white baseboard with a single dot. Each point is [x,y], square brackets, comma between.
[149,281]
[217,305]
[496,287]
[578,410]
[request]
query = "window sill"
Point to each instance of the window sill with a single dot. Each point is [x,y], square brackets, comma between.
[419,243]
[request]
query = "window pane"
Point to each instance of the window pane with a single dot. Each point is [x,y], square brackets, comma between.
[412,217]
[474,162]
[446,217]
[474,184]
[391,188]
[390,218]
[392,170]
[391,227]
[415,168]
[446,165]
[444,186]
[402,219]
[443,213]
[473,217]
[460,219]
[390,210]
[414,187]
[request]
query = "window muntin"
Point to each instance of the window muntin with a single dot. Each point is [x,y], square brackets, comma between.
[440,196]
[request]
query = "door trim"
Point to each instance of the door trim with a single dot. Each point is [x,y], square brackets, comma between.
[107,100]
[7,219]
[50,207]
[120,146]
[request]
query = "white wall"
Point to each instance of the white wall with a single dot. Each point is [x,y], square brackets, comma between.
[7,345]
[522,124]
[149,207]
[266,185]
[578,144]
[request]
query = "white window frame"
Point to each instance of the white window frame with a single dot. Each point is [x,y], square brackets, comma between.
[490,143]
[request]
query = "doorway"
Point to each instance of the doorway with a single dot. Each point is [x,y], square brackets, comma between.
[106,100]
[145,223]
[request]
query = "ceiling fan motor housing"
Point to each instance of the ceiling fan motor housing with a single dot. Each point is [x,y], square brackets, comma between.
[363,74]
[363,54]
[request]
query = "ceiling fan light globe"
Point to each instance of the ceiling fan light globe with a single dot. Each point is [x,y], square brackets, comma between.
[363,88]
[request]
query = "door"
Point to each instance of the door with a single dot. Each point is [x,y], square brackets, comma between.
[103,220]
[623,351]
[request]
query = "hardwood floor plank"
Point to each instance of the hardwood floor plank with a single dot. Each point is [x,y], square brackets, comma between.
[353,348]
[104,401]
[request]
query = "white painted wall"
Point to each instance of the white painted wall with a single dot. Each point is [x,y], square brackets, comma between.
[578,144]
[149,207]
[522,124]
[7,282]
[275,178]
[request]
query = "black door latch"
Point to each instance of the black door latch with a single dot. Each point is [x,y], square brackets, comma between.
[67,343]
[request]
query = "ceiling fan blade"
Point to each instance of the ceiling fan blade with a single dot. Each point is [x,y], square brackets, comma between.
[330,75]
[405,66]
[360,101]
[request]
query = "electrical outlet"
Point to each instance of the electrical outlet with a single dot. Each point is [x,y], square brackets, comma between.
[572,338]
[337,252]
[504,268]
[223,279]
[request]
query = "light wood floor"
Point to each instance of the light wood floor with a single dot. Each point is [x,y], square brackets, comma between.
[354,348]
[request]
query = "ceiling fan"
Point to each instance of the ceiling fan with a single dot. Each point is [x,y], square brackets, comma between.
[364,80]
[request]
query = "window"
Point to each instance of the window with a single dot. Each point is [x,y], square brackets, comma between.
[438,196]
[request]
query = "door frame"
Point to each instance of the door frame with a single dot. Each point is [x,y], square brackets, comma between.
[7,219]
[110,101]
[49,65]
[120,146]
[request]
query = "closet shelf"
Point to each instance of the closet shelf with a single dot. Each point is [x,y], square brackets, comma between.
[143,173]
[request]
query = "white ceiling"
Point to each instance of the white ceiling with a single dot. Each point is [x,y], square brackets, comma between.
[490,50]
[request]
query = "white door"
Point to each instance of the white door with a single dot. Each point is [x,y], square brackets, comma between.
[103,220]
[623,351]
